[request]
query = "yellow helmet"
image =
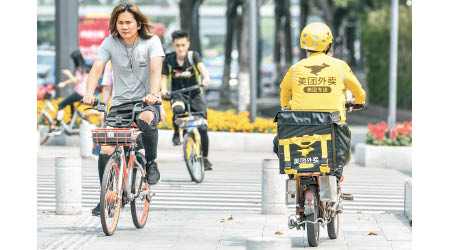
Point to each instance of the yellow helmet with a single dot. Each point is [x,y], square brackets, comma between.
[316,37]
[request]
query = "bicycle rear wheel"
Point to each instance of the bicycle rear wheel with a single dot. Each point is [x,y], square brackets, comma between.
[109,196]
[139,206]
[194,163]
[44,126]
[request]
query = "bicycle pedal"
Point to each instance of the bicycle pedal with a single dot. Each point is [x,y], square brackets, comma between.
[347,197]
[150,196]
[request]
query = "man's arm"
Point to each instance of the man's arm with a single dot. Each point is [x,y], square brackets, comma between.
[204,72]
[156,67]
[286,89]
[352,83]
[164,75]
[106,93]
[155,84]
[92,80]
[163,85]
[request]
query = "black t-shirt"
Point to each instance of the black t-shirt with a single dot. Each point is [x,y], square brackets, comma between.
[181,76]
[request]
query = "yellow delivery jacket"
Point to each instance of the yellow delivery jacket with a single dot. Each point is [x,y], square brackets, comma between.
[318,83]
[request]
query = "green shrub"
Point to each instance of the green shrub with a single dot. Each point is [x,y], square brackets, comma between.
[376,40]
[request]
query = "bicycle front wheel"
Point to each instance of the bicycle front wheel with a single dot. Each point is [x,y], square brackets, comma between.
[194,162]
[44,125]
[140,205]
[109,196]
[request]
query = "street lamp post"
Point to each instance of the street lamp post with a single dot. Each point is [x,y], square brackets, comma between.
[253,58]
[393,66]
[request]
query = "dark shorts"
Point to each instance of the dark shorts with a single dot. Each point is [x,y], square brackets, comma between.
[198,104]
[125,111]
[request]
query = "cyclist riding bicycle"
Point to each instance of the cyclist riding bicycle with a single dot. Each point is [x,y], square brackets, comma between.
[79,80]
[318,82]
[180,70]
[136,56]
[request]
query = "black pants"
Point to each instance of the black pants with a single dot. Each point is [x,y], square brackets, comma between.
[149,133]
[198,104]
[74,97]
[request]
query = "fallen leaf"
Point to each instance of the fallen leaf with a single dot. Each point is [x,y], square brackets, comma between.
[222,220]
[278,233]
[410,223]
[231,217]
[372,233]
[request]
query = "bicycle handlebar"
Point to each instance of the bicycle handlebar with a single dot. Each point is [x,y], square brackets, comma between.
[137,107]
[183,90]
[355,106]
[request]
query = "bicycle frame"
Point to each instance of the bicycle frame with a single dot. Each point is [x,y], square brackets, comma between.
[68,128]
[126,173]
[193,128]
[44,111]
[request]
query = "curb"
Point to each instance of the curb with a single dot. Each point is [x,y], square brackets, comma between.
[224,141]
[391,157]
[236,141]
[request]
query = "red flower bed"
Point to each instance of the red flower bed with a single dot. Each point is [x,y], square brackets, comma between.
[379,134]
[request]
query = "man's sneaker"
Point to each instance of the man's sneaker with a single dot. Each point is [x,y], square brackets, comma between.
[207,164]
[152,175]
[176,138]
[96,210]
[55,131]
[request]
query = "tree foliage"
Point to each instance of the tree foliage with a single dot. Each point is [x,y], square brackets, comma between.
[376,40]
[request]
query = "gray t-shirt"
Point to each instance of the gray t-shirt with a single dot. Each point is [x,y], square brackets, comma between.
[130,66]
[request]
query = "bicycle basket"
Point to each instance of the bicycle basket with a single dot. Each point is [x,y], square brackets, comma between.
[193,121]
[114,136]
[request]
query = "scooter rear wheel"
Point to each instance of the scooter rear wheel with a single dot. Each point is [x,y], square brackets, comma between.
[333,227]
[313,230]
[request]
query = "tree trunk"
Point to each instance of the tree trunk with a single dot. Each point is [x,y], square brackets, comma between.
[278,38]
[231,24]
[287,36]
[328,12]
[304,11]
[189,20]
[350,42]
[244,59]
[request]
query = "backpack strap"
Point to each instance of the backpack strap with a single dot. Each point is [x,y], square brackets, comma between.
[190,56]
[169,78]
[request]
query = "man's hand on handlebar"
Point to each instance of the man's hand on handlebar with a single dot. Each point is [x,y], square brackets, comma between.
[206,82]
[356,108]
[150,99]
[352,106]
[164,93]
[89,99]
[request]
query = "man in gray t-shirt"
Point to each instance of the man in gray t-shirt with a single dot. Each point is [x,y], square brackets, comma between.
[131,66]
[136,56]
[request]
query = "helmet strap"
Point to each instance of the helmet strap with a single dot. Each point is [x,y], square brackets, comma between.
[328,50]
